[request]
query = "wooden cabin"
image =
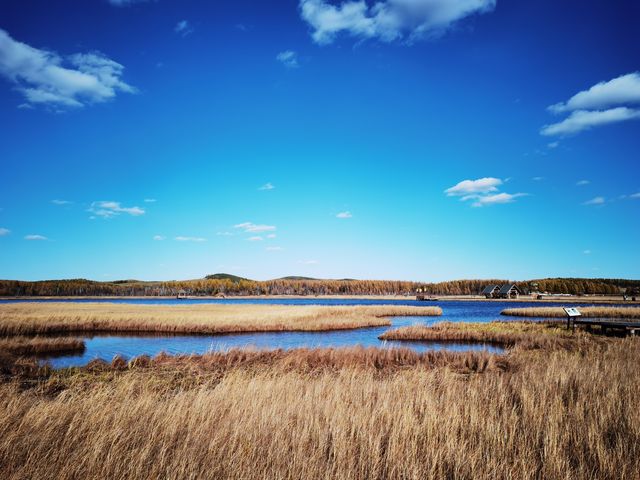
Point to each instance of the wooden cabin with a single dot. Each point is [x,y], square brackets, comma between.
[491,291]
[509,290]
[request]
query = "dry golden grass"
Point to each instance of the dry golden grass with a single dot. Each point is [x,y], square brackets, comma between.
[589,312]
[553,414]
[525,334]
[47,318]
[40,345]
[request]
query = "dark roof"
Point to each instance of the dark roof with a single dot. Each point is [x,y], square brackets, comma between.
[505,288]
[489,289]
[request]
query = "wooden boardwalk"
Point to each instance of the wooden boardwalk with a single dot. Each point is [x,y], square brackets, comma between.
[628,327]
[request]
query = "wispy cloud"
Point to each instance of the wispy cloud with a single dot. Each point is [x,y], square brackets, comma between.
[387,20]
[586,252]
[635,195]
[344,215]
[581,183]
[553,145]
[61,202]
[45,78]
[109,209]
[483,192]
[271,235]
[4,232]
[274,249]
[190,239]
[288,58]
[497,198]
[183,28]
[150,200]
[224,234]
[35,237]
[267,186]
[605,103]
[308,262]
[250,227]
[257,238]
[159,237]
[472,187]
[581,120]
[595,201]
[537,179]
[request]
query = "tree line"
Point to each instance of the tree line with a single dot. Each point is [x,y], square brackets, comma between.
[229,287]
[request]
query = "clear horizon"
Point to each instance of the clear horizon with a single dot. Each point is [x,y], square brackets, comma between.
[406,140]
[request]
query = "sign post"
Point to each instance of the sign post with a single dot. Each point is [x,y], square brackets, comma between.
[572,313]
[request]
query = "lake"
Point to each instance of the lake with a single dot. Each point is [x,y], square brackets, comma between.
[107,346]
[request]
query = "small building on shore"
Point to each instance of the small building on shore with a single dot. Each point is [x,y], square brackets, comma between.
[509,290]
[490,291]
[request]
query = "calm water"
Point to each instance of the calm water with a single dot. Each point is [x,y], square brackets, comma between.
[107,346]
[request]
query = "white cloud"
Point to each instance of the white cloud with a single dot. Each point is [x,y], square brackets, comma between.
[387,20]
[159,237]
[224,234]
[35,237]
[61,202]
[497,198]
[271,235]
[44,78]
[183,28]
[308,262]
[288,58]
[635,195]
[257,238]
[344,215]
[607,102]
[250,227]
[472,187]
[267,186]
[595,201]
[483,191]
[553,145]
[581,183]
[4,232]
[581,120]
[109,209]
[623,90]
[190,239]
[150,200]
[274,249]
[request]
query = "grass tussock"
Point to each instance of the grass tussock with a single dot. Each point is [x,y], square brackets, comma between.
[524,334]
[562,415]
[50,318]
[587,312]
[40,345]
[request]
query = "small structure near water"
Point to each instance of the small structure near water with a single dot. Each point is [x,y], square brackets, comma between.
[509,290]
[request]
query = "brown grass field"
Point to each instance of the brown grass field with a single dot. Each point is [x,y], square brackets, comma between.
[55,318]
[40,345]
[549,413]
[526,334]
[588,312]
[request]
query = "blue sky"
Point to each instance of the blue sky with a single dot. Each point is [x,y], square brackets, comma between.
[403,139]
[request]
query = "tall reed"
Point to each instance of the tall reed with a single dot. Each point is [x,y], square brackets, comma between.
[554,415]
[589,312]
[48,318]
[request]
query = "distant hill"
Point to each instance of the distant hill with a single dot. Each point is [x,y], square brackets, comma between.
[227,276]
[294,277]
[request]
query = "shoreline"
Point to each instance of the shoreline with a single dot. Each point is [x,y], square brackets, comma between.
[528,299]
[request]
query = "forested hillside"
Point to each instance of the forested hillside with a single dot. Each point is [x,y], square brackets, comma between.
[220,284]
